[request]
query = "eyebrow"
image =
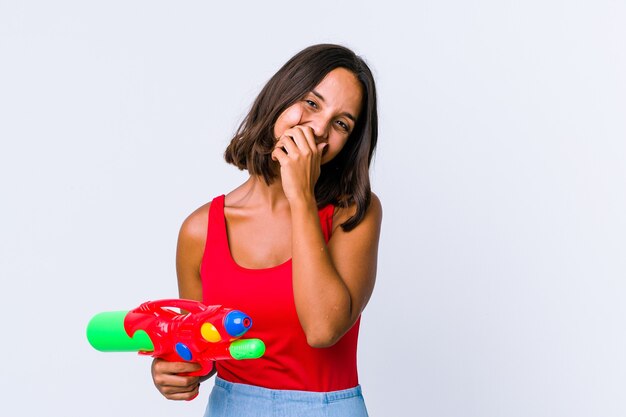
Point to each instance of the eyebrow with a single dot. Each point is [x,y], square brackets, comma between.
[345,113]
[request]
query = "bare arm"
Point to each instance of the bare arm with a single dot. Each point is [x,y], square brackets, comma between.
[190,248]
[331,283]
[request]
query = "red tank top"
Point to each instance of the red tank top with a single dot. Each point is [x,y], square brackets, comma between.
[267,296]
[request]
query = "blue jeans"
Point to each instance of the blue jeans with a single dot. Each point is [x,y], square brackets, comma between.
[228,399]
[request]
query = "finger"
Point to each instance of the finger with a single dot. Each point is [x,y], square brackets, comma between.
[287,142]
[182,395]
[177,367]
[163,366]
[321,147]
[175,381]
[280,155]
[304,139]
[309,136]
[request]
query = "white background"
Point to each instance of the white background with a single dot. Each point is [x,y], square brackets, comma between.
[501,168]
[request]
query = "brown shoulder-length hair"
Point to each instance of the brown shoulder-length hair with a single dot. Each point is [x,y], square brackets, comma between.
[345,179]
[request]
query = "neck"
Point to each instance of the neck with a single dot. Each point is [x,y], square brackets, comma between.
[256,193]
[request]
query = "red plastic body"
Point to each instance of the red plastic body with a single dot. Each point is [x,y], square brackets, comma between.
[169,331]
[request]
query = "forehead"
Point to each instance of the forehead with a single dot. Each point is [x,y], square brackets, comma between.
[342,91]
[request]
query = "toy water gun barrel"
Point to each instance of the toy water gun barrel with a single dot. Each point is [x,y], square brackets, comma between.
[106,333]
[247,349]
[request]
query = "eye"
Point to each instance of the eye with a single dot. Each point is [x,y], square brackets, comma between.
[343,126]
[311,103]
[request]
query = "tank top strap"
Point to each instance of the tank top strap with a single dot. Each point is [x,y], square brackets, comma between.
[216,233]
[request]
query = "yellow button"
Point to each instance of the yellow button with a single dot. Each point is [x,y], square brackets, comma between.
[210,333]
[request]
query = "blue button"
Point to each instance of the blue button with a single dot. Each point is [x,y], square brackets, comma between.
[183,351]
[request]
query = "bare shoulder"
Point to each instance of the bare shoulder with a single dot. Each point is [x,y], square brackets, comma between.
[373,215]
[375,209]
[194,227]
[189,253]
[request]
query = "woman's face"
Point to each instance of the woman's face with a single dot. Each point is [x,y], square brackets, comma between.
[331,110]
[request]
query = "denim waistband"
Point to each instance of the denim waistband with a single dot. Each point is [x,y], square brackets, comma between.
[290,395]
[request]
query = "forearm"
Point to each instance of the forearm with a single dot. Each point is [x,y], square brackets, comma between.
[322,299]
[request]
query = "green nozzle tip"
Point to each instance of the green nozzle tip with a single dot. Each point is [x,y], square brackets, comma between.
[247,349]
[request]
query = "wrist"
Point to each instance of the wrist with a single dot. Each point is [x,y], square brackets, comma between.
[303,203]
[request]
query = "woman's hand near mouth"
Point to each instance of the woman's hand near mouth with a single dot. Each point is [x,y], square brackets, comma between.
[300,158]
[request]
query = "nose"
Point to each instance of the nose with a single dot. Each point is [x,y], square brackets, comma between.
[320,126]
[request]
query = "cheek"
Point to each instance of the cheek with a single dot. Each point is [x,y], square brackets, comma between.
[336,146]
[288,119]
[340,143]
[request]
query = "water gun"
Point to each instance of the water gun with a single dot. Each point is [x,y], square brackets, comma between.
[203,335]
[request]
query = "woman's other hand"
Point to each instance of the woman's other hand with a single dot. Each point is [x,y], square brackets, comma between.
[171,384]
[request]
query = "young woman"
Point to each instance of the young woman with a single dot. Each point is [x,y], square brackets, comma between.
[295,246]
